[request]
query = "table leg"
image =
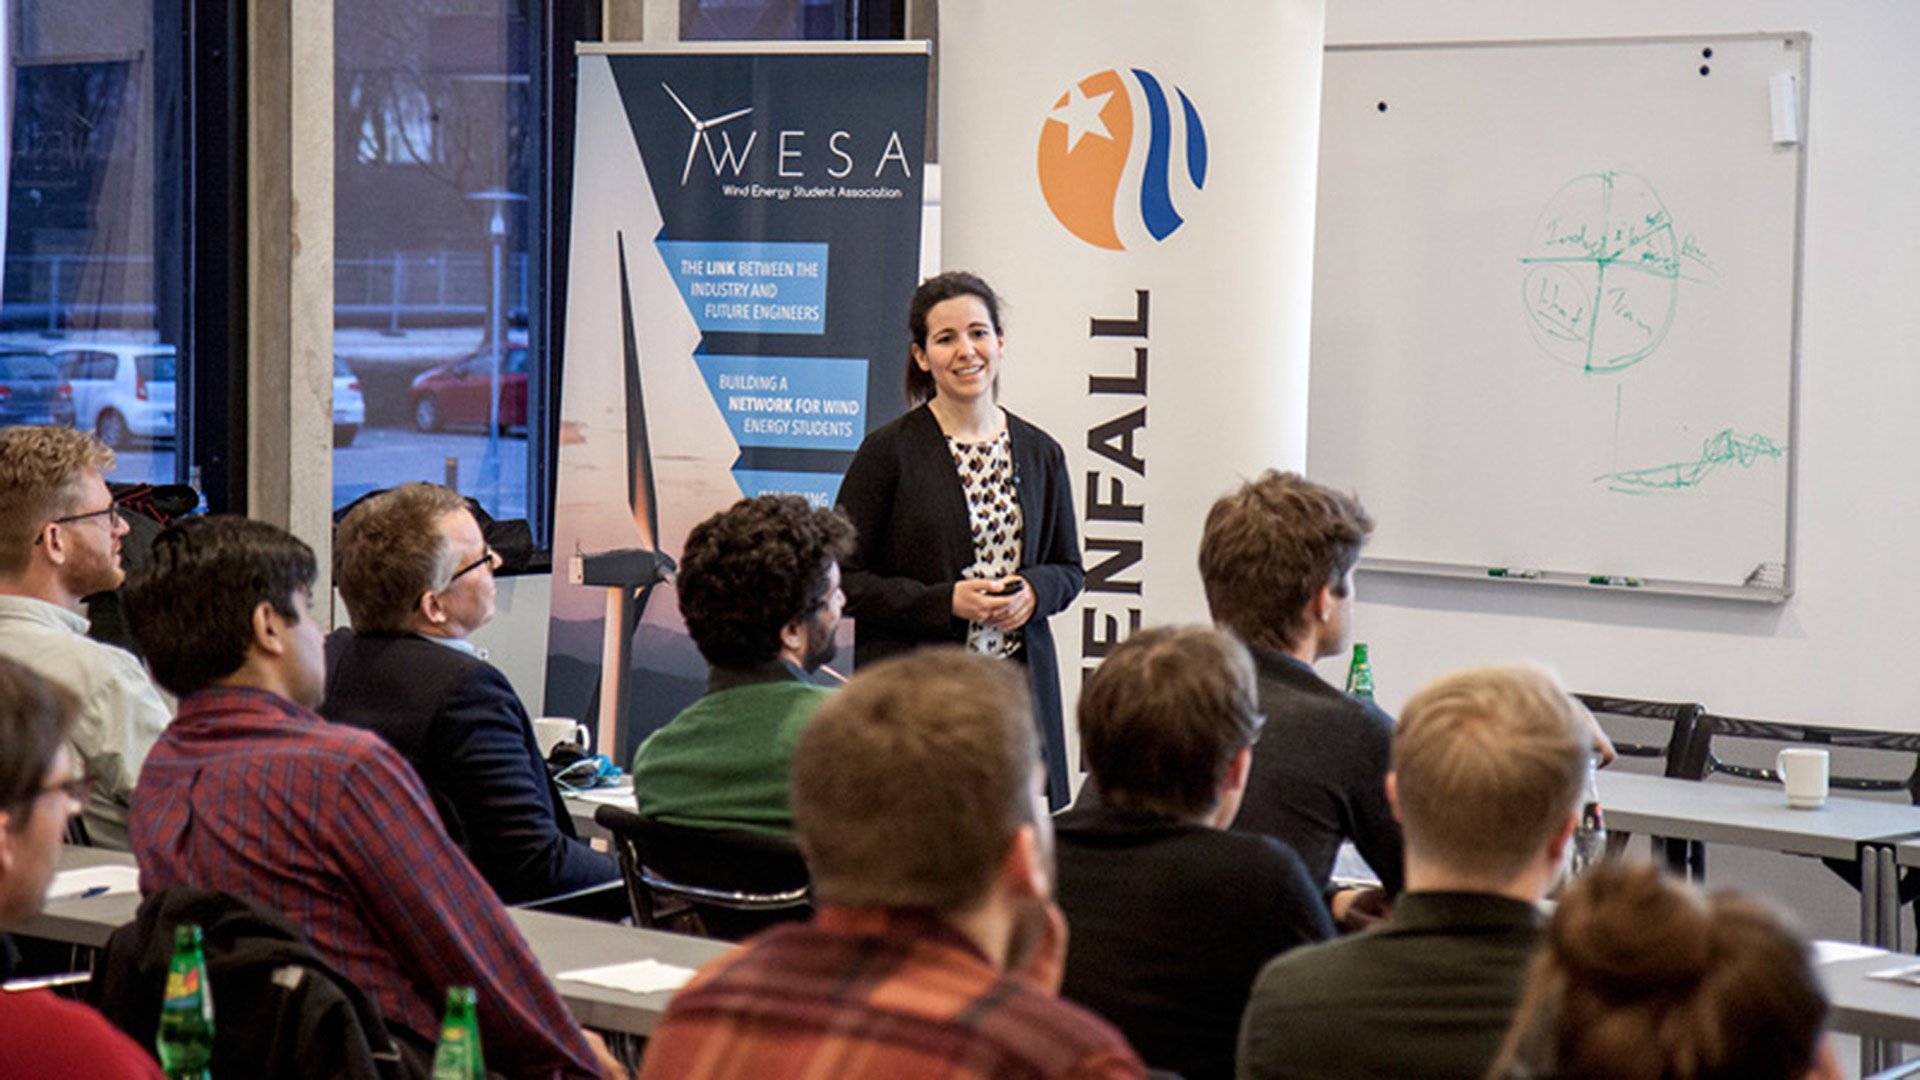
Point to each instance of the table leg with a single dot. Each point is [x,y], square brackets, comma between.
[1889,897]
[1869,899]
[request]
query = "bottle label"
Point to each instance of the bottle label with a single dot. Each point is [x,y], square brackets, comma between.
[183,987]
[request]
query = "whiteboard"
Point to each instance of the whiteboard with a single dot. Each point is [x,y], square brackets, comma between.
[1556,308]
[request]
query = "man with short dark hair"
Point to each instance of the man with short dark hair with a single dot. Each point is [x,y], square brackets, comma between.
[759,586]
[60,536]
[1172,915]
[1488,769]
[1276,559]
[41,1035]
[417,577]
[251,792]
[936,950]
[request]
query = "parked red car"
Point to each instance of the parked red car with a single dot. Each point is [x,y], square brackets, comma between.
[458,394]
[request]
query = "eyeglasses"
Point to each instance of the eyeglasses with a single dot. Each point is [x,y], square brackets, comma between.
[79,789]
[109,509]
[490,559]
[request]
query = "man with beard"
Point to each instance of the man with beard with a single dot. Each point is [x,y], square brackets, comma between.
[759,586]
[417,578]
[59,542]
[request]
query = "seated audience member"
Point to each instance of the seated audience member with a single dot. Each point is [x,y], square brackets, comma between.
[759,586]
[41,1035]
[1644,978]
[1173,916]
[1277,559]
[1488,770]
[936,950]
[250,792]
[60,541]
[417,578]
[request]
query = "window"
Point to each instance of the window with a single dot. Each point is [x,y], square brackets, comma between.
[438,150]
[95,309]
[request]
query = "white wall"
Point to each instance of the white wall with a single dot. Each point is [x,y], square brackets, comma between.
[1835,652]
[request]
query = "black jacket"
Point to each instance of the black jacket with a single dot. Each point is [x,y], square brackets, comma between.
[279,1010]
[908,505]
[457,721]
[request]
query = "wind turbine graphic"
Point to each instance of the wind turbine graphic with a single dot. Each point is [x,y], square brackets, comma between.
[700,132]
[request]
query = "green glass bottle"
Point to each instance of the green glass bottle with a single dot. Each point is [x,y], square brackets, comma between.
[1360,673]
[185,1039]
[458,1057]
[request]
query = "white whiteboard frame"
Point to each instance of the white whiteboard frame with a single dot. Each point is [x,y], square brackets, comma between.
[1767,594]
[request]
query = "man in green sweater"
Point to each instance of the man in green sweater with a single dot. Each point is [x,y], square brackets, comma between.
[759,587]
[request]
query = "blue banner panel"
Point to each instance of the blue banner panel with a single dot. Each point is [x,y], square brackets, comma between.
[756,288]
[819,489]
[793,402]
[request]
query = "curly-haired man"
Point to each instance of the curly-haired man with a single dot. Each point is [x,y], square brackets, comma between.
[759,586]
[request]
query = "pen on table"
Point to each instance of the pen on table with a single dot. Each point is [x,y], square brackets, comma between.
[45,981]
[1512,572]
[1614,579]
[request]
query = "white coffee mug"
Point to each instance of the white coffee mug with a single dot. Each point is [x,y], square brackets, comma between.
[1803,771]
[551,731]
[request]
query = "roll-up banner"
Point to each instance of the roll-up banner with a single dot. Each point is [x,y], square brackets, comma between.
[1136,179]
[745,238]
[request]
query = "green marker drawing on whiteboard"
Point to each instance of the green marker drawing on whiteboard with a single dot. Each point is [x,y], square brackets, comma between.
[1726,448]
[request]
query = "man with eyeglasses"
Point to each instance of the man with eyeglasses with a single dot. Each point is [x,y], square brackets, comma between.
[759,587]
[41,1035]
[417,578]
[60,539]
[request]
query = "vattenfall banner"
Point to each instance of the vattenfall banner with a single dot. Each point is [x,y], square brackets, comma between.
[1136,179]
[746,235]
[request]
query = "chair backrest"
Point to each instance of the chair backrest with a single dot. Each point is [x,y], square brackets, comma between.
[732,883]
[1623,718]
[1706,756]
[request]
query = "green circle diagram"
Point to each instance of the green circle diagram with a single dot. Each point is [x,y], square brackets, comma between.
[1602,273]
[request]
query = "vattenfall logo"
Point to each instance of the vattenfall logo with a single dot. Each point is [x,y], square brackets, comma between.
[1110,180]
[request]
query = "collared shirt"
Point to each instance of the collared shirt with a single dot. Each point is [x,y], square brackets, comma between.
[121,712]
[861,994]
[459,644]
[253,795]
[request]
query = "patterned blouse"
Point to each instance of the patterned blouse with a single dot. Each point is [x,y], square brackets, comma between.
[993,509]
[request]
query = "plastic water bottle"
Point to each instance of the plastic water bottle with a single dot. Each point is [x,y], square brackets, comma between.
[458,1056]
[1360,673]
[185,1039]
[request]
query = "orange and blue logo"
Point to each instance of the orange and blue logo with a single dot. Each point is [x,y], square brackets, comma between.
[1108,178]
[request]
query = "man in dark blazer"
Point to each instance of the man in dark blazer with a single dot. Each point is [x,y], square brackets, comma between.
[417,577]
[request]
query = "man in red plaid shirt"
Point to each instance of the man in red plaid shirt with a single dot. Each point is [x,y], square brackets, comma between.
[250,792]
[937,950]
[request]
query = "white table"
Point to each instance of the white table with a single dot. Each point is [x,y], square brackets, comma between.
[580,808]
[1756,816]
[560,942]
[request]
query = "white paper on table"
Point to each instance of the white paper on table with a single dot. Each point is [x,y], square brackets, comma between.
[1834,952]
[635,976]
[618,796]
[1908,973]
[94,881]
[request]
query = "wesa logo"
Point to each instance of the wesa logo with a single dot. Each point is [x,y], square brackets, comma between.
[1117,158]
[794,150]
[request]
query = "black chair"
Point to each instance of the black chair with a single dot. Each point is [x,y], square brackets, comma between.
[713,883]
[1851,749]
[1629,721]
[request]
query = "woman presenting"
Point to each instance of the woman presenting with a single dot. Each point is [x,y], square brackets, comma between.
[964,512]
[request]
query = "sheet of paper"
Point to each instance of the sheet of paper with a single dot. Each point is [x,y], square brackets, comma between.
[1833,952]
[1907,973]
[94,881]
[636,976]
[618,796]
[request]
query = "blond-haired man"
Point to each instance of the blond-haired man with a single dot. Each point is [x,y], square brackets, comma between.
[936,950]
[1488,766]
[60,542]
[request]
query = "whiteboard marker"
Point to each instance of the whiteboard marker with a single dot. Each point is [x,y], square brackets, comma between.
[1614,579]
[1513,572]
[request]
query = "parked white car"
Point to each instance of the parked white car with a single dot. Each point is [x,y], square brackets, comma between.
[349,405]
[122,391]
